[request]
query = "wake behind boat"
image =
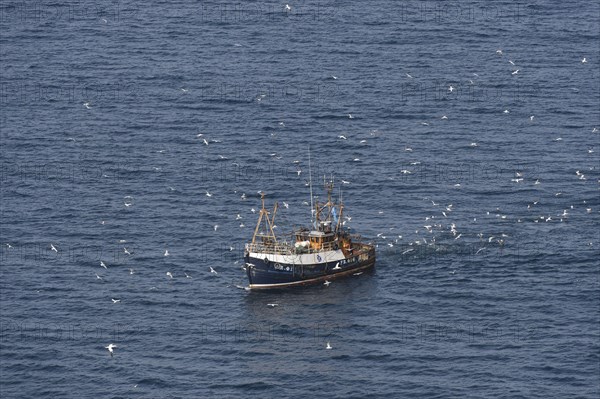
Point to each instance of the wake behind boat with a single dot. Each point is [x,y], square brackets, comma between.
[322,253]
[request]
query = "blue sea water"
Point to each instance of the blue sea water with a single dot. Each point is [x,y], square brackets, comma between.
[102,105]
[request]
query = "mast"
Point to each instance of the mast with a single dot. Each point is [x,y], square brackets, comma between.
[329,203]
[310,184]
[268,222]
[341,211]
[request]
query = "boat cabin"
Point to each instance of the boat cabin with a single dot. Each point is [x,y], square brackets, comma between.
[318,240]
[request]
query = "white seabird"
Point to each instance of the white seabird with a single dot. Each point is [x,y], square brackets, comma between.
[110,348]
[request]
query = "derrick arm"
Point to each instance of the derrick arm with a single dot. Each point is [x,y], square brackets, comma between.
[257,227]
[272,220]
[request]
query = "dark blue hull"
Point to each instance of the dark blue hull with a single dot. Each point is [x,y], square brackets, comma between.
[268,275]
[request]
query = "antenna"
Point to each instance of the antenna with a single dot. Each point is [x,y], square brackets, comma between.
[310,184]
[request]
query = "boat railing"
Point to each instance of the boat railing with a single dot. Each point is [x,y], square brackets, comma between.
[270,248]
[287,249]
[328,246]
[360,247]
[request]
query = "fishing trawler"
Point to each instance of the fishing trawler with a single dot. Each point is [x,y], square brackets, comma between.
[324,252]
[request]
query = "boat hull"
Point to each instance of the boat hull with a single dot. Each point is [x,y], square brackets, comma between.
[268,274]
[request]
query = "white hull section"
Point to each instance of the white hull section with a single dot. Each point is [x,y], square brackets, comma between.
[302,259]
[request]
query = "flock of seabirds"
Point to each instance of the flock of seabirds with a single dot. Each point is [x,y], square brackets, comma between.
[438,222]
